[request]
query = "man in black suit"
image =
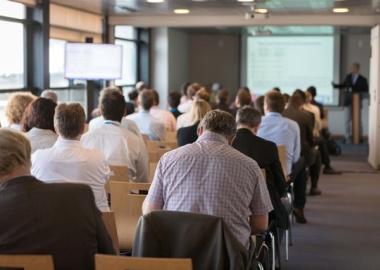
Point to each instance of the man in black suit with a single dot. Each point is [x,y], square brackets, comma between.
[354,83]
[312,156]
[61,220]
[265,153]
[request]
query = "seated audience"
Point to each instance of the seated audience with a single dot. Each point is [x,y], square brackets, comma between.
[215,87]
[164,116]
[125,123]
[131,105]
[68,160]
[243,98]
[50,94]
[146,123]
[38,218]
[286,97]
[222,99]
[189,134]
[283,131]
[120,146]
[195,114]
[191,90]
[206,176]
[38,123]
[313,91]
[140,86]
[15,108]
[184,96]
[259,105]
[305,123]
[173,102]
[265,153]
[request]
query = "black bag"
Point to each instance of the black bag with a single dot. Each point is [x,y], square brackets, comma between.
[334,148]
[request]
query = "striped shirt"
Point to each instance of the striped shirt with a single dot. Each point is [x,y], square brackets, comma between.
[211,177]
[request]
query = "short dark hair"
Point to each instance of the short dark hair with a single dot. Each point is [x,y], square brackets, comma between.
[39,114]
[312,90]
[174,99]
[146,99]
[192,89]
[286,97]
[245,88]
[259,104]
[244,97]
[223,96]
[132,95]
[249,116]
[184,87]
[275,101]
[301,93]
[69,118]
[296,101]
[112,106]
[276,89]
[220,122]
[156,96]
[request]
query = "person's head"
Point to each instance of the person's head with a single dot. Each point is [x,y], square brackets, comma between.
[198,110]
[309,97]
[312,90]
[16,106]
[202,94]
[184,87]
[14,155]
[248,117]
[276,89]
[95,113]
[296,101]
[112,106]
[259,105]
[243,98]
[354,69]
[301,93]
[108,90]
[216,87]
[49,94]
[219,122]
[132,95]
[39,114]
[156,98]
[222,96]
[69,120]
[140,86]
[286,97]
[274,102]
[146,99]
[245,88]
[174,99]
[192,89]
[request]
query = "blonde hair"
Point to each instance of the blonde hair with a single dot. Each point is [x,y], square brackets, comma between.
[15,151]
[16,106]
[69,119]
[198,110]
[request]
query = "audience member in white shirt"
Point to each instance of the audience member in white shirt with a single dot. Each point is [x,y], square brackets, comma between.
[38,123]
[192,89]
[15,108]
[120,146]
[147,124]
[164,116]
[68,160]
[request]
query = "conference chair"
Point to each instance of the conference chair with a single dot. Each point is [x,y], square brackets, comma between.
[145,138]
[107,262]
[155,145]
[27,262]
[152,171]
[127,206]
[154,156]
[171,136]
[117,173]
[110,223]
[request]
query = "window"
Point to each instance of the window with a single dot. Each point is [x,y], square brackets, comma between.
[57,63]
[12,10]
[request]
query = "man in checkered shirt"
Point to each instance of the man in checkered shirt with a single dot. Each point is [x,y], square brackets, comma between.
[211,177]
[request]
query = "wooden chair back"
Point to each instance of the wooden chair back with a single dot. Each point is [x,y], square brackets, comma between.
[119,174]
[171,136]
[145,138]
[107,262]
[28,262]
[153,156]
[128,210]
[152,171]
[264,174]
[282,155]
[155,145]
[110,223]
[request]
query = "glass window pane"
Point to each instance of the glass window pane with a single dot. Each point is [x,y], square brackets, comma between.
[12,9]
[11,55]
[129,75]
[127,32]
[57,63]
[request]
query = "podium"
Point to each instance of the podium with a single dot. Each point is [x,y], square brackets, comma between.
[356,118]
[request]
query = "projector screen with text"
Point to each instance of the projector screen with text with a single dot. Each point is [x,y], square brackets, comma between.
[290,63]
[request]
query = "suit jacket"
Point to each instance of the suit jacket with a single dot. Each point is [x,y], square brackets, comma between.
[360,86]
[57,219]
[265,153]
[222,107]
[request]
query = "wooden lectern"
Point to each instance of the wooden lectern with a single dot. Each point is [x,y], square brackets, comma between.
[356,118]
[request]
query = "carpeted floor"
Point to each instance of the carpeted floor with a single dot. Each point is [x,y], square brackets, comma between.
[343,229]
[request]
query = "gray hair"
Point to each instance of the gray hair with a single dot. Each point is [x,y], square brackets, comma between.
[249,116]
[49,94]
[219,122]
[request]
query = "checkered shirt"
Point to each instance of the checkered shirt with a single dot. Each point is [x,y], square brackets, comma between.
[211,177]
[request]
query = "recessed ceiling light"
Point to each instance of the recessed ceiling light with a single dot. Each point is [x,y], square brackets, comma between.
[246,0]
[261,10]
[155,1]
[341,10]
[181,11]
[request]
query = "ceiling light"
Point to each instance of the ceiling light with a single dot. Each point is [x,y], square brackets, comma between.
[246,0]
[155,1]
[341,10]
[181,11]
[261,10]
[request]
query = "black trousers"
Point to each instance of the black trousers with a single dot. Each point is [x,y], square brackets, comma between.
[315,167]
[323,150]
[299,178]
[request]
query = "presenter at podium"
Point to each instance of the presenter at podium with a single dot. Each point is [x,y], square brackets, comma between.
[354,83]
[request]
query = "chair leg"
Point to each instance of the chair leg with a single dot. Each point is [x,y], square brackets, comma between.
[260,266]
[273,251]
[287,244]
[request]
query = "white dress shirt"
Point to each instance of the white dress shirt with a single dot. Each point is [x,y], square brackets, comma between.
[15,127]
[317,118]
[185,107]
[149,125]
[125,123]
[164,116]
[41,138]
[184,121]
[121,147]
[68,161]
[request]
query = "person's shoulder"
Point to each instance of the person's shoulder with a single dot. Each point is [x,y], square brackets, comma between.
[291,123]
[66,189]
